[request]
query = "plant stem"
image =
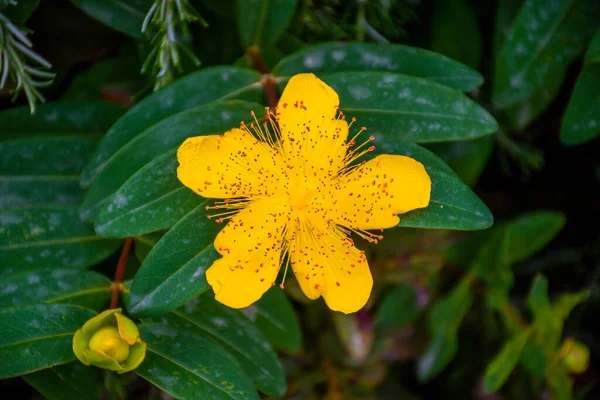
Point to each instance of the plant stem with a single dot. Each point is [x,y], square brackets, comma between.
[267,82]
[116,286]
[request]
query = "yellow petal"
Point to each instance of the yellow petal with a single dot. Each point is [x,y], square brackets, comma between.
[251,246]
[326,263]
[234,164]
[371,196]
[310,130]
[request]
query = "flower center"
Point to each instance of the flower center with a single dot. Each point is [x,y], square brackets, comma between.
[299,198]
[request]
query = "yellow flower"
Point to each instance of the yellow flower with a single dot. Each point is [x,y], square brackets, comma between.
[295,190]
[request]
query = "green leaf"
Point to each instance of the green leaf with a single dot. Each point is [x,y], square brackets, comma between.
[173,272]
[204,86]
[329,58]
[547,326]
[455,32]
[531,232]
[452,205]
[506,360]
[60,117]
[189,367]
[398,308]
[275,318]
[73,381]
[125,16]
[444,321]
[55,285]
[592,55]
[533,359]
[152,199]
[581,121]
[492,262]
[20,11]
[408,108]
[231,330]
[260,22]
[544,39]
[145,243]
[467,158]
[38,336]
[214,118]
[43,170]
[119,74]
[50,236]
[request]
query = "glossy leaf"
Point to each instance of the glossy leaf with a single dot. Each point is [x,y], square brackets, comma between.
[189,367]
[506,360]
[581,121]
[403,107]
[152,199]
[592,54]
[50,236]
[55,285]
[73,381]
[232,331]
[125,16]
[329,58]
[19,12]
[43,170]
[215,118]
[455,32]
[144,243]
[275,318]
[260,22]
[444,321]
[173,272]
[467,158]
[544,39]
[452,205]
[201,87]
[38,336]
[398,308]
[60,117]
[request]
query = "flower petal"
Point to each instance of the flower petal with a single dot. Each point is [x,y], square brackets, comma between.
[251,246]
[234,164]
[326,263]
[310,130]
[371,196]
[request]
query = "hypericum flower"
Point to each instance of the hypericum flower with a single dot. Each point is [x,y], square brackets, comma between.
[293,194]
[110,341]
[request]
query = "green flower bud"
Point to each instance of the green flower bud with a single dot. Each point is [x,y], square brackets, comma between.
[110,341]
[575,356]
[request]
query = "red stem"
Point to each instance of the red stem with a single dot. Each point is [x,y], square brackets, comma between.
[268,82]
[116,286]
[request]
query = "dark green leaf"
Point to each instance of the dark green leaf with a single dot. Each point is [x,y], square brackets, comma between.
[403,107]
[355,57]
[547,327]
[444,321]
[275,318]
[214,118]
[73,381]
[51,236]
[43,170]
[124,16]
[60,117]
[592,55]
[544,39]
[232,331]
[452,205]
[38,336]
[120,75]
[201,87]
[144,243]
[506,360]
[398,308]
[581,121]
[20,11]
[559,381]
[455,32]
[55,285]
[492,262]
[533,359]
[260,22]
[531,232]
[467,158]
[173,272]
[189,367]
[152,199]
